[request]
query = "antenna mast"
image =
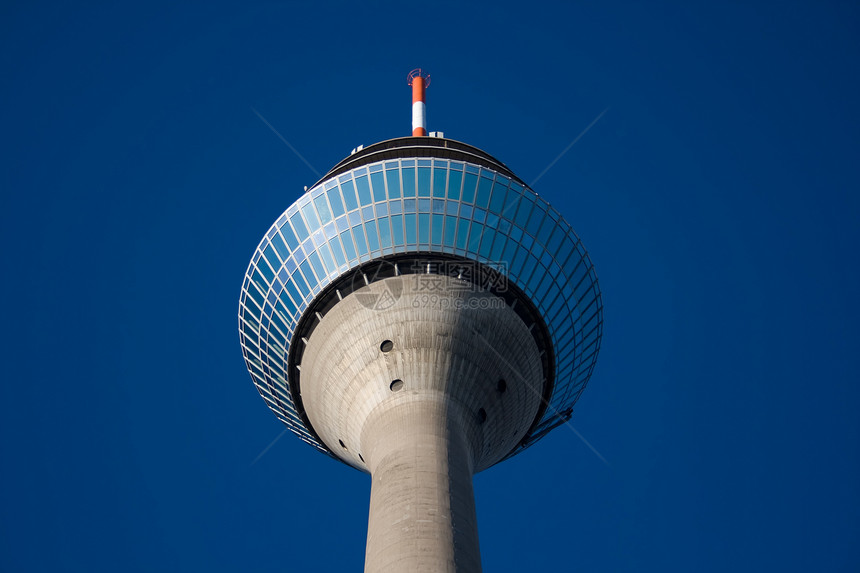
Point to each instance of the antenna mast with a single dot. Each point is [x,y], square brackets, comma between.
[419,80]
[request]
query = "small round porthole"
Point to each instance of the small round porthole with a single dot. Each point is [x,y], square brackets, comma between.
[386,346]
[482,416]
[396,385]
[501,386]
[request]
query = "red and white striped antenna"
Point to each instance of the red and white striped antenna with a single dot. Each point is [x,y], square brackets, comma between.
[419,80]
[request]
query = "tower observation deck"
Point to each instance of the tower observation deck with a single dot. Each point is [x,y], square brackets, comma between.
[420,314]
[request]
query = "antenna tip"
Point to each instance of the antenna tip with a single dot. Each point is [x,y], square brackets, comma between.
[418,73]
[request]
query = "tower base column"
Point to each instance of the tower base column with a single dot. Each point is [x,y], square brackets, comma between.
[422,505]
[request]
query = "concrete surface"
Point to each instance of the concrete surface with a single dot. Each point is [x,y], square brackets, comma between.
[449,419]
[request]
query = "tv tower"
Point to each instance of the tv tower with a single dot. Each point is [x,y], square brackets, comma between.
[420,314]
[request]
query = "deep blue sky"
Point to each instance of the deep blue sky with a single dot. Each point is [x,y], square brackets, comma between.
[718,198]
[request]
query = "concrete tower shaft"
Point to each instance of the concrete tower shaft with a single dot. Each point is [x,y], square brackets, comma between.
[422,389]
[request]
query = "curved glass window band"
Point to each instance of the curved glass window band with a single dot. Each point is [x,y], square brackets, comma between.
[521,235]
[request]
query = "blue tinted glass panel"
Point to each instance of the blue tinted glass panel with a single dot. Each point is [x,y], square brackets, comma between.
[423,181]
[316,264]
[409,182]
[311,217]
[270,256]
[487,242]
[484,187]
[508,255]
[255,294]
[372,237]
[360,243]
[545,231]
[327,259]
[290,237]
[411,228]
[437,229]
[397,229]
[555,239]
[423,228]
[251,338]
[450,230]
[363,190]
[378,181]
[526,241]
[543,286]
[337,251]
[498,245]
[523,211]
[475,233]
[384,231]
[248,315]
[498,201]
[294,292]
[341,223]
[576,272]
[439,176]
[556,306]
[280,246]
[322,208]
[535,221]
[348,245]
[469,184]
[528,270]
[565,250]
[455,180]
[267,272]
[286,307]
[462,233]
[284,273]
[299,226]
[554,270]
[392,176]
[330,230]
[349,195]
[519,259]
[309,275]
[336,203]
[300,282]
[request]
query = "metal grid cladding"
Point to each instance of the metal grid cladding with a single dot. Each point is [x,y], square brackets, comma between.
[419,204]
